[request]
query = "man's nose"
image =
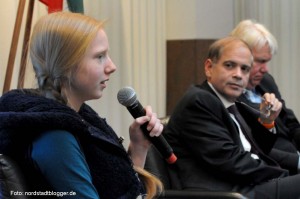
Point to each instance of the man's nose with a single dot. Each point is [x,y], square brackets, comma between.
[264,68]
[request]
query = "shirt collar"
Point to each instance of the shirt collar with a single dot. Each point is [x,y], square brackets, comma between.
[225,102]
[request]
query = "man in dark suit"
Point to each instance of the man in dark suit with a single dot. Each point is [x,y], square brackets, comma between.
[264,45]
[216,149]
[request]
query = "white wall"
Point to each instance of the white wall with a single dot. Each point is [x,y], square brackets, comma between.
[198,19]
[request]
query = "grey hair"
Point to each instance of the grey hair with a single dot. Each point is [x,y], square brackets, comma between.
[255,35]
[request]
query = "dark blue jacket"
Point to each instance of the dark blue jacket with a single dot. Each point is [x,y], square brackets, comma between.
[24,115]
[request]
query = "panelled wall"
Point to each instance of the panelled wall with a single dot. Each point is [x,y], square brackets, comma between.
[185,66]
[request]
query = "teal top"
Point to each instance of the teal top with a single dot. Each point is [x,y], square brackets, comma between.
[60,159]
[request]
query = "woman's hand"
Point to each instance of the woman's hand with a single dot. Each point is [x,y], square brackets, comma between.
[139,144]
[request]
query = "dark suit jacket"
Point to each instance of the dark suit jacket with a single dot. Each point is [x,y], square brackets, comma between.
[288,127]
[207,144]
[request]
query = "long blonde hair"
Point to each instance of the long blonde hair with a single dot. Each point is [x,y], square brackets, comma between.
[58,43]
[153,185]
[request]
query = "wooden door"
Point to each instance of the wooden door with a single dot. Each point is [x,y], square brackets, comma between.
[185,66]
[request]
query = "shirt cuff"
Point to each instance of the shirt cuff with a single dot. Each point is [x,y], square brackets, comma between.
[273,130]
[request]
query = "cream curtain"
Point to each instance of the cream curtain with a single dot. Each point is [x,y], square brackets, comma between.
[137,41]
[282,18]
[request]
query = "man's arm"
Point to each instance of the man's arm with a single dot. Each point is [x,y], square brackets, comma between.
[210,135]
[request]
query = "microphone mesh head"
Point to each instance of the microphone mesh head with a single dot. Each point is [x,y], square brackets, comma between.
[126,96]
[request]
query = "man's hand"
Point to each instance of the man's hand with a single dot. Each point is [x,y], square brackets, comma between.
[270,108]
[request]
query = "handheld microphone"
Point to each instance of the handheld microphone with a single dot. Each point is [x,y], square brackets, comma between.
[127,97]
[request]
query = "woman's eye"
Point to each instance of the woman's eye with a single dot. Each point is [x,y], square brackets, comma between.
[101,57]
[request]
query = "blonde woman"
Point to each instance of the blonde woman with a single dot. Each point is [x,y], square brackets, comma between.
[61,143]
